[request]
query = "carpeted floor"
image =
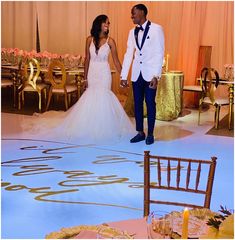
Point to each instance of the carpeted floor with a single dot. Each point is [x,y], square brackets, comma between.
[223,129]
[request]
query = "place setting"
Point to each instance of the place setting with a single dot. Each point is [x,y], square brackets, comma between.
[187,224]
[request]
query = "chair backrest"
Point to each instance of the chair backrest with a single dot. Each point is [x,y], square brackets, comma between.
[208,83]
[55,82]
[178,174]
[204,59]
[31,77]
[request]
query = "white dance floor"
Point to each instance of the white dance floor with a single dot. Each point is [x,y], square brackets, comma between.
[50,185]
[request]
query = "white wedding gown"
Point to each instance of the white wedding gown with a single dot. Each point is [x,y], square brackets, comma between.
[97,117]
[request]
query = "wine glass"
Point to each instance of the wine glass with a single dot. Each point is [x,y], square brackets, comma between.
[161,224]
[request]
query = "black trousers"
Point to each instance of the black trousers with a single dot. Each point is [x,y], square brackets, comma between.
[142,91]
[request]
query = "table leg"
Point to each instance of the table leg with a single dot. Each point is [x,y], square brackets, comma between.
[231,95]
[14,87]
[181,94]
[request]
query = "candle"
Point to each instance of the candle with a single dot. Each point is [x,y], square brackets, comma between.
[167,59]
[185,224]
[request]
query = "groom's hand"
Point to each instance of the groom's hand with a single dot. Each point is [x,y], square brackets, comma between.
[124,83]
[153,83]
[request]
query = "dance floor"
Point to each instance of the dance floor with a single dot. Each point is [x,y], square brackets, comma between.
[47,185]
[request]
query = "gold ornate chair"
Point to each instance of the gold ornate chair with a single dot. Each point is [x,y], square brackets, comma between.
[187,176]
[204,60]
[57,77]
[209,86]
[32,83]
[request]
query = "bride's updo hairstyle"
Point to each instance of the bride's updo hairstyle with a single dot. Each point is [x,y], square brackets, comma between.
[96,29]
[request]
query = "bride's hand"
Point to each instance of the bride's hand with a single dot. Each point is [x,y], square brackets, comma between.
[85,82]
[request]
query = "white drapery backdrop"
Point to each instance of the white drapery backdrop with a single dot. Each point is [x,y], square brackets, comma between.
[64,26]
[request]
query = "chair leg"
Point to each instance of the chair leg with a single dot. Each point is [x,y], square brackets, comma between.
[19,100]
[69,99]
[199,112]
[66,101]
[45,94]
[23,98]
[217,117]
[230,116]
[40,102]
[14,95]
[49,98]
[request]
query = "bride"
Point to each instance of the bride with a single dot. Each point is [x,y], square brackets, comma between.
[98,116]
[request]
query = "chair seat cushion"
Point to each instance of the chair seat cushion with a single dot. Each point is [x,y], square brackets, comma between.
[40,86]
[69,88]
[193,88]
[219,101]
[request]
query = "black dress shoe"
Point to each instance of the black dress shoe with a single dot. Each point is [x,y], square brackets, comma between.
[138,138]
[149,140]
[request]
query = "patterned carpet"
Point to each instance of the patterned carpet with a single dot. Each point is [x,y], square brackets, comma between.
[223,129]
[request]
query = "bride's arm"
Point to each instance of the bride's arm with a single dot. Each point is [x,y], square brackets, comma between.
[116,61]
[87,57]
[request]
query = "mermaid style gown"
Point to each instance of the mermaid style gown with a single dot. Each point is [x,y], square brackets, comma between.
[97,117]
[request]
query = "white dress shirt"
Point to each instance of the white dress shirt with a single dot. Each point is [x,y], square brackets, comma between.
[141,33]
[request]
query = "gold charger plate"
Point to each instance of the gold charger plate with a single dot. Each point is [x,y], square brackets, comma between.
[197,222]
[102,230]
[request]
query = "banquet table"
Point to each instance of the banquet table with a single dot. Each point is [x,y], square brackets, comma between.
[169,97]
[140,228]
[76,72]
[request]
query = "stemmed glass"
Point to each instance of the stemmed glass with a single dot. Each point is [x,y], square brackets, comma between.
[161,224]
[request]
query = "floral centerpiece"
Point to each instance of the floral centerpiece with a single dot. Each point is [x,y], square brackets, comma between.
[13,56]
[229,72]
[221,226]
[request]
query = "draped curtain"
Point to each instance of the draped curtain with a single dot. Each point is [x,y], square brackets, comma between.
[64,26]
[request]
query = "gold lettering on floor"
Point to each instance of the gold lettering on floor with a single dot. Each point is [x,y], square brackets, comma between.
[73,178]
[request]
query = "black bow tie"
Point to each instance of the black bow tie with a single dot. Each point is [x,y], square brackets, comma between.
[138,28]
[141,28]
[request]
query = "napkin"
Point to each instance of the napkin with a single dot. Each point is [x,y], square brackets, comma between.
[87,234]
[196,227]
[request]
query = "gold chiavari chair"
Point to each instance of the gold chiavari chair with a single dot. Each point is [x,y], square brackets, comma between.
[208,93]
[58,79]
[177,174]
[31,83]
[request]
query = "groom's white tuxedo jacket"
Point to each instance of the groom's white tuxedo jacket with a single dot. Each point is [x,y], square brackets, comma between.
[148,59]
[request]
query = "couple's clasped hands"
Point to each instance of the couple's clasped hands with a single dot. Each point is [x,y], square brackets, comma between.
[124,83]
[153,83]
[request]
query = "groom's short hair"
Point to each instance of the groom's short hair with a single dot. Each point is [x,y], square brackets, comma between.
[142,7]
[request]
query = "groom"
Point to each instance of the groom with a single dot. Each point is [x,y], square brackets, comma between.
[146,44]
